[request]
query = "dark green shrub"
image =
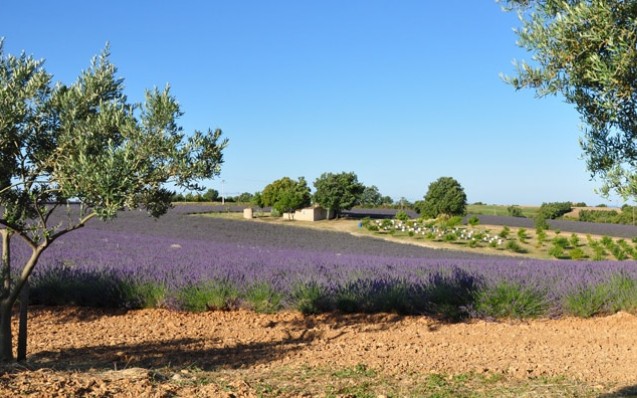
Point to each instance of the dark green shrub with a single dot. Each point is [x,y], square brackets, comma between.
[514,211]
[522,236]
[574,240]
[541,237]
[504,234]
[450,237]
[386,224]
[627,248]
[556,251]
[576,254]
[554,210]
[600,216]
[561,242]
[401,215]
[540,223]
[366,222]
[599,253]
[372,227]
[515,247]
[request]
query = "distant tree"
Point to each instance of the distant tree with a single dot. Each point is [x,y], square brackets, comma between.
[553,210]
[286,195]
[337,192]
[587,51]
[387,201]
[444,196]
[178,197]
[257,200]
[371,197]
[211,195]
[404,203]
[418,205]
[515,211]
[245,197]
[86,142]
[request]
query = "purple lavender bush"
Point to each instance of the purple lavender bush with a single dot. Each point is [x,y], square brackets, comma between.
[189,262]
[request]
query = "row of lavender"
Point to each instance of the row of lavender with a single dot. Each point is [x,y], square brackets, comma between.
[135,261]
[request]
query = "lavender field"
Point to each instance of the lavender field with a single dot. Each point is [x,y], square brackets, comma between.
[137,261]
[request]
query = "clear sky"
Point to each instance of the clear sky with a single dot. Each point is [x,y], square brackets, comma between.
[399,92]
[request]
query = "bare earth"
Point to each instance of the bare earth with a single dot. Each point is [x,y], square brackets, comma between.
[153,353]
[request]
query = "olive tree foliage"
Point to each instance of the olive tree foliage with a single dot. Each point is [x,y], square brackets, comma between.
[338,191]
[286,195]
[445,196]
[87,143]
[586,51]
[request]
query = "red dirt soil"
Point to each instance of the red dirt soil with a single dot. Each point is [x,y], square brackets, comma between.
[88,352]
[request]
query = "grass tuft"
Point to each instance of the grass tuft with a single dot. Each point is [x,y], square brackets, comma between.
[212,295]
[263,298]
[509,300]
[618,294]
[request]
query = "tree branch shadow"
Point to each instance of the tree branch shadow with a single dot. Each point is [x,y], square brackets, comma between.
[180,353]
[207,354]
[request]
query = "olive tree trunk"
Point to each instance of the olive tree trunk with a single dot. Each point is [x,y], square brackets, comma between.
[22,328]
[6,353]
[9,293]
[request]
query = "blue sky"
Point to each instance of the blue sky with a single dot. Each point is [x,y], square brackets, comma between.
[399,92]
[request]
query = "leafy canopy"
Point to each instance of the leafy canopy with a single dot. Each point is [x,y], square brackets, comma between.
[586,50]
[87,142]
[286,195]
[444,196]
[337,192]
[371,197]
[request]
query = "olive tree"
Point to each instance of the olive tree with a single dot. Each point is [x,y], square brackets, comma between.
[87,143]
[444,196]
[586,51]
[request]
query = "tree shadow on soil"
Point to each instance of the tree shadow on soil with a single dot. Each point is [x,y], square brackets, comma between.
[64,314]
[207,354]
[180,353]
[625,392]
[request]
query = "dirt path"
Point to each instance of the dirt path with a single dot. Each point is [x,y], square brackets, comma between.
[76,352]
